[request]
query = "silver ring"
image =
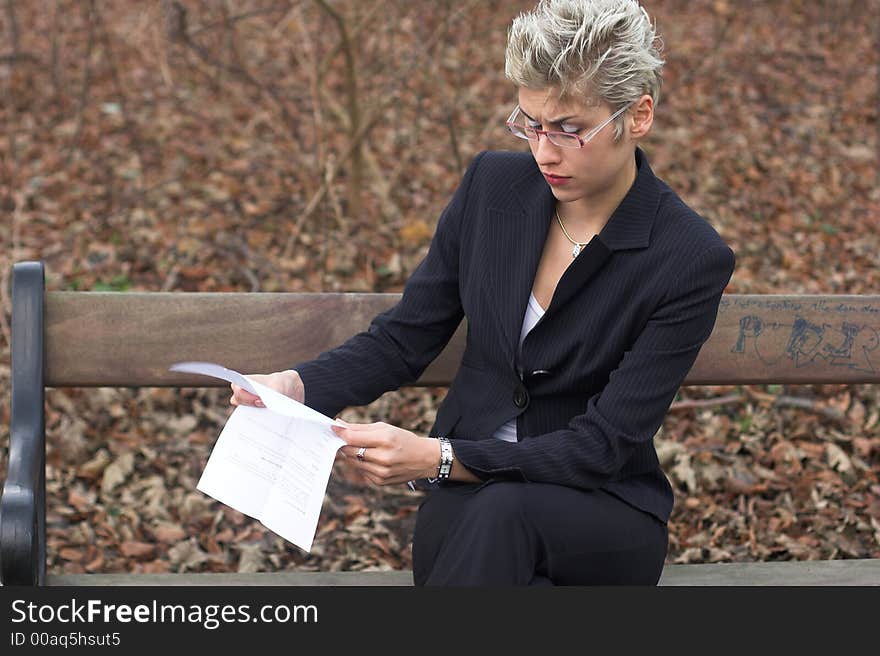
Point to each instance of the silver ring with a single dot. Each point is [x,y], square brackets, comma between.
[361,452]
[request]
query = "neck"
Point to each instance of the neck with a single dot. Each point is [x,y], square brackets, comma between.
[587,216]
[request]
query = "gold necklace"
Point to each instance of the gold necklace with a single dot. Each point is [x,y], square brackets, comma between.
[578,245]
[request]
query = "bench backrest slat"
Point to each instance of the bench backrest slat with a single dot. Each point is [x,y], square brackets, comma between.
[130,339]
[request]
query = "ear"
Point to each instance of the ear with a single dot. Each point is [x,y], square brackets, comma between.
[642,116]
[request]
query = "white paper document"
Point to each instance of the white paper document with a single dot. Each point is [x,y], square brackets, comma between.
[271,463]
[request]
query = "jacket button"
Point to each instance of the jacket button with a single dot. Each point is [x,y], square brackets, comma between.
[520,397]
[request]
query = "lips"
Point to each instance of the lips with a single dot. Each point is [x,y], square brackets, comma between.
[556,179]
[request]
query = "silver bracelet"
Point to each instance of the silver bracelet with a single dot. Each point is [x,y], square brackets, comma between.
[446,459]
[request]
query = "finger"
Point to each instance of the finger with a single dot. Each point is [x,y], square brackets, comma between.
[382,481]
[358,426]
[346,424]
[374,453]
[243,397]
[373,480]
[397,480]
[247,397]
[349,451]
[359,437]
[377,471]
[236,401]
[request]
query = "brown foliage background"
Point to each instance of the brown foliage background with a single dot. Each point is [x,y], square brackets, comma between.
[308,145]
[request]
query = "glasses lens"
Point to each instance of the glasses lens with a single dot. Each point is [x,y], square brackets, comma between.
[564,140]
[520,131]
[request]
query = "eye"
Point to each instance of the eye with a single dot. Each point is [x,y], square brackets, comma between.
[570,129]
[533,124]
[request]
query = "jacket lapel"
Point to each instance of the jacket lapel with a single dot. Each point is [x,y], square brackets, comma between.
[628,228]
[631,223]
[586,265]
[516,235]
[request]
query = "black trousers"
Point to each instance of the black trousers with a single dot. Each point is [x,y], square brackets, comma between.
[511,533]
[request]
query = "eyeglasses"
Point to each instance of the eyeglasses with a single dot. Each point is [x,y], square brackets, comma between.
[561,139]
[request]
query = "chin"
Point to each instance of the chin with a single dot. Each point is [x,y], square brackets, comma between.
[568,195]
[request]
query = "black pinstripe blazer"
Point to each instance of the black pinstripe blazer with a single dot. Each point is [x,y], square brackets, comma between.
[595,376]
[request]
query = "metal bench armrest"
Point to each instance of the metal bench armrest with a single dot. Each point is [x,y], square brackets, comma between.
[23,502]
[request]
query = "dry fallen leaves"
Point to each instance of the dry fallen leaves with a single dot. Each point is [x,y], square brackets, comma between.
[142,203]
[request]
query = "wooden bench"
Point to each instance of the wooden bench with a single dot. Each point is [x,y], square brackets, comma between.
[128,339]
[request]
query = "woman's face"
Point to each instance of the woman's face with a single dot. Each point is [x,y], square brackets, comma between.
[577,173]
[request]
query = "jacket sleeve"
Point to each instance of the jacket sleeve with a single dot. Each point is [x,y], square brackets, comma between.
[401,342]
[629,410]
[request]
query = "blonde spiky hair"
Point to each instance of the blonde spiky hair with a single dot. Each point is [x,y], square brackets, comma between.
[588,50]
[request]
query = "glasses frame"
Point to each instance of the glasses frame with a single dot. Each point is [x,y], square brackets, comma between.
[550,134]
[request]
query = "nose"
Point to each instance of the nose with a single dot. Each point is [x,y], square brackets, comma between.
[544,150]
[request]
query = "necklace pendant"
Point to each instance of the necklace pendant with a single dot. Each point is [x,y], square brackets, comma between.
[575,251]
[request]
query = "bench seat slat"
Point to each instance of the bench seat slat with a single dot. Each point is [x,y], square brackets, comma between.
[859,572]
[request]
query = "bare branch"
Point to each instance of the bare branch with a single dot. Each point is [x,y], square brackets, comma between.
[5,303]
[383,180]
[353,34]
[14,57]
[813,406]
[13,27]
[319,195]
[129,125]
[352,106]
[234,246]
[161,44]
[309,50]
[279,8]
[788,401]
[56,58]
[706,403]
[87,79]
[375,114]
[177,30]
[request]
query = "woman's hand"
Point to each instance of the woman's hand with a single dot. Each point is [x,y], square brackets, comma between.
[285,382]
[393,455]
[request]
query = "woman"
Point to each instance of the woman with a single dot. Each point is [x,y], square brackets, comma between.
[589,288]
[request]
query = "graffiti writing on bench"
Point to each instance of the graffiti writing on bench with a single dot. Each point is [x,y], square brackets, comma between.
[830,306]
[848,345]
